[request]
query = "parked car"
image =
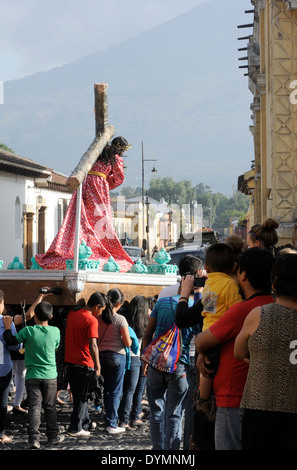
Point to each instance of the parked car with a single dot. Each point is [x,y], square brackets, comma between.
[135,253]
[177,255]
[171,246]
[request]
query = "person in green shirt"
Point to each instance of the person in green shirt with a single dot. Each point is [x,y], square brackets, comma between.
[40,342]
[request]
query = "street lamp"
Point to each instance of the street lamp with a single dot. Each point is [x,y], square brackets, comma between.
[147,203]
[154,171]
[180,220]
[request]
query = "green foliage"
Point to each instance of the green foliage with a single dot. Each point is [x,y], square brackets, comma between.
[173,192]
[4,147]
[217,207]
[129,191]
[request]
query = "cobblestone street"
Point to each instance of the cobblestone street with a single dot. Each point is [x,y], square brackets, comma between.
[136,439]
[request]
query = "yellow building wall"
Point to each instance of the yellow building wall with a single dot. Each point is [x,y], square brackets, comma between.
[275,114]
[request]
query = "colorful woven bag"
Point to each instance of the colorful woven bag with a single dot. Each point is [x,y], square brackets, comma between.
[164,351]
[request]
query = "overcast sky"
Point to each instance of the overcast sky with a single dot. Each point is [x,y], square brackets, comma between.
[37,35]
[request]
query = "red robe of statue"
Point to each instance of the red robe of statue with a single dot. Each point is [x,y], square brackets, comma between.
[96,227]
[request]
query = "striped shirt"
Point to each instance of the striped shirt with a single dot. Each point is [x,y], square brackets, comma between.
[164,314]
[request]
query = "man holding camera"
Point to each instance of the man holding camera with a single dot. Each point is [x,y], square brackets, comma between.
[169,391]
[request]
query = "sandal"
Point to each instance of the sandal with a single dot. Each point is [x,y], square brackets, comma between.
[126,426]
[137,422]
[19,410]
[5,439]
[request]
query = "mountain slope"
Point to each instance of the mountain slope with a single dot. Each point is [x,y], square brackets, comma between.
[176,87]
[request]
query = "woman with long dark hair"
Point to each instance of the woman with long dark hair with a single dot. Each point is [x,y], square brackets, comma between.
[113,339]
[96,225]
[137,315]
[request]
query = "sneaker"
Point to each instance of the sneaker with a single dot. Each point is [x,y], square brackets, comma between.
[82,433]
[117,430]
[35,445]
[60,438]
[5,439]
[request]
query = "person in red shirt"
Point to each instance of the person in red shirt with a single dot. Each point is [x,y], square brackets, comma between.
[82,358]
[254,280]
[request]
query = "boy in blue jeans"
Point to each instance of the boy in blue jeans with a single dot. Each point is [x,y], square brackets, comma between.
[40,342]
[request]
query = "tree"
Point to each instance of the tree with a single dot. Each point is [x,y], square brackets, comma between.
[129,191]
[4,147]
[170,190]
[216,206]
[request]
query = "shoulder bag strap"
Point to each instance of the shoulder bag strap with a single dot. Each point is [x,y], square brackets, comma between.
[103,335]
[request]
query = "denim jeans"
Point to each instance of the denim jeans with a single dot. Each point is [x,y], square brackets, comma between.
[228,428]
[42,393]
[138,395]
[79,379]
[113,370]
[129,386]
[4,391]
[167,400]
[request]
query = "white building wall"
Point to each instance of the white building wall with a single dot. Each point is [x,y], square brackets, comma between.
[21,189]
[11,234]
[52,200]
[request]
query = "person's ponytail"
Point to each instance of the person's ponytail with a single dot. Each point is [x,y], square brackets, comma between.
[114,297]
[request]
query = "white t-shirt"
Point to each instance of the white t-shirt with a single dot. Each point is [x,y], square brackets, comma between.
[169,291]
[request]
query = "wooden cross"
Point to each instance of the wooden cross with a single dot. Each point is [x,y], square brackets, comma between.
[104,133]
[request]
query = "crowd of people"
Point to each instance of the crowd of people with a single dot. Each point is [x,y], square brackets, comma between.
[234,386]
[99,352]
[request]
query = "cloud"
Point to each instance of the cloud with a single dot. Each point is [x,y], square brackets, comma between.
[41,34]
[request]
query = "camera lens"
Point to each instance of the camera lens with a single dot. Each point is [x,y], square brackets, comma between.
[53,290]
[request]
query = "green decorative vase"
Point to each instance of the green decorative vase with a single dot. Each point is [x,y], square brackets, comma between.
[34,264]
[84,250]
[84,263]
[162,257]
[111,266]
[138,267]
[16,264]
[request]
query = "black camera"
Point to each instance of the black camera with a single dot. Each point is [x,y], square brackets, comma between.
[53,290]
[199,281]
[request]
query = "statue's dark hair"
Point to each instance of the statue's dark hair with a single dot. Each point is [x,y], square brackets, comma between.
[117,147]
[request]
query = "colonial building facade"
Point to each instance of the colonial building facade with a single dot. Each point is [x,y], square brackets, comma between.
[272,78]
[34,200]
